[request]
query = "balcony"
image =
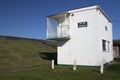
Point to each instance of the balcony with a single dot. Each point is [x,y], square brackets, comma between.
[58,27]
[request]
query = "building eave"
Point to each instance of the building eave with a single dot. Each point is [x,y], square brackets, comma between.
[104,13]
[82,9]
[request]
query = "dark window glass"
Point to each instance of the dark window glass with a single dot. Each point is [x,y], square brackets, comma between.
[104,45]
[108,46]
[106,28]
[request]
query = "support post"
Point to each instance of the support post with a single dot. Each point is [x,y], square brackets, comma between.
[74,66]
[109,62]
[52,65]
[101,68]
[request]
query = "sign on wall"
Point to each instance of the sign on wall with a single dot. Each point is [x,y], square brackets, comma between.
[82,24]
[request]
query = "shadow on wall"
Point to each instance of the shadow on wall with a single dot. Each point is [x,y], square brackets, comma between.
[49,56]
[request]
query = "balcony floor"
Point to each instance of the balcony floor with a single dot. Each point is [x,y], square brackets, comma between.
[60,39]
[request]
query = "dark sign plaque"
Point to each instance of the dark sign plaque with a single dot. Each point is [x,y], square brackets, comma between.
[82,24]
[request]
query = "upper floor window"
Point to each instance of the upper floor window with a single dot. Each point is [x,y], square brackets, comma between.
[106,28]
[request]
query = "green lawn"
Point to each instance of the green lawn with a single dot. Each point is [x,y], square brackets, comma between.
[31,60]
[65,73]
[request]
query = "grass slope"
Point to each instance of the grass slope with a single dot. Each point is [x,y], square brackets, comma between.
[30,60]
[21,54]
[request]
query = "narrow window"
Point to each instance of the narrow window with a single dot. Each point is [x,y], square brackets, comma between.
[108,46]
[106,28]
[104,45]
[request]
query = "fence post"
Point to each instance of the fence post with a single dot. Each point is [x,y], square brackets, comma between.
[74,66]
[52,65]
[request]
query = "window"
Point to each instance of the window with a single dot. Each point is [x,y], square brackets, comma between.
[108,46]
[106,28]
[105,45]
[82,24]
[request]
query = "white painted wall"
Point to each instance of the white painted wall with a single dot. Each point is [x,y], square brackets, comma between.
[85,45]
[107,35]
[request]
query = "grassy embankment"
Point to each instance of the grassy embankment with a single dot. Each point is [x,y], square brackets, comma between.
[30,60]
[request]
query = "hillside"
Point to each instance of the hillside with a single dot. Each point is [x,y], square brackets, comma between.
[28,59]
[18,54]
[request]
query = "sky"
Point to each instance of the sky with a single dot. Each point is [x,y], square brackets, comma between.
[27,18]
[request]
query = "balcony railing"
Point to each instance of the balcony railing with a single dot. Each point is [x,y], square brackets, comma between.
[58,27]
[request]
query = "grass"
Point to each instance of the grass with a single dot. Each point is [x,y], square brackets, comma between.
[30,60]
[21,54]
[64,73]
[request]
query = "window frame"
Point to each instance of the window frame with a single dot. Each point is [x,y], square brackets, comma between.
[105,45]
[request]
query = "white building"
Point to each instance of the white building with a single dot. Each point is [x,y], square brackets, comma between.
[83,34]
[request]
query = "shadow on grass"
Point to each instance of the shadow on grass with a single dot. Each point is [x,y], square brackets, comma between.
[117,60]
[49,56]
[114,67]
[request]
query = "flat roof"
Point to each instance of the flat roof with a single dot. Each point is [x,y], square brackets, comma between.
[81,9]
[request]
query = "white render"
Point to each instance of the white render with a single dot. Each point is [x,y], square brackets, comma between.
[85,43]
